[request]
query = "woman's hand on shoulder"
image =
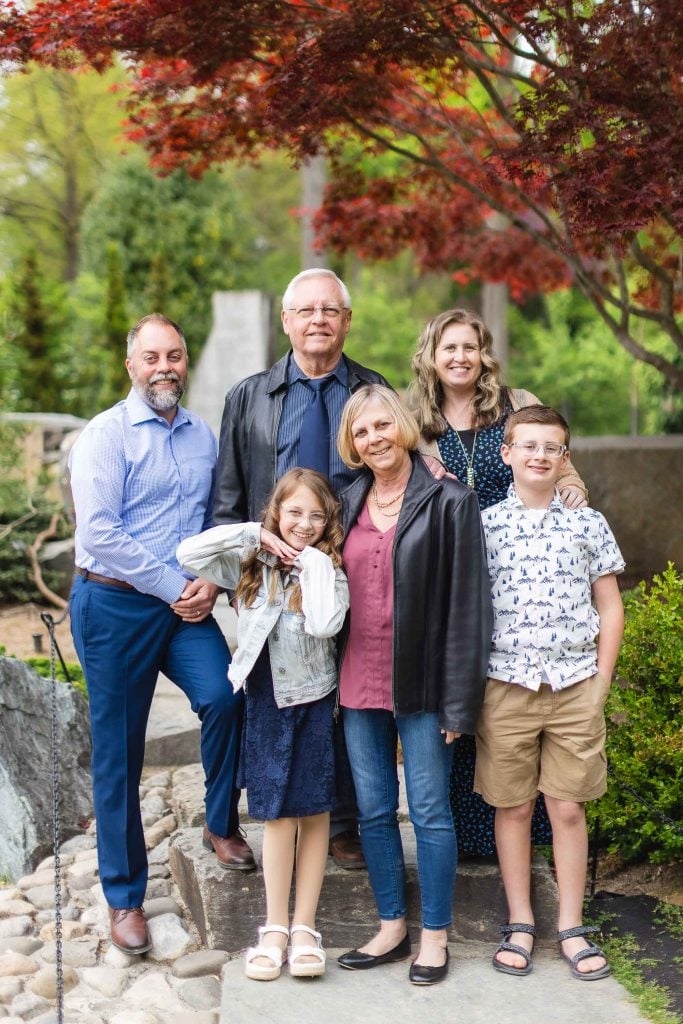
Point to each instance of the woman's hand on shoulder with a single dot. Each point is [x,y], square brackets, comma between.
[437,469]
[573,497]
[271,542]
[450,736]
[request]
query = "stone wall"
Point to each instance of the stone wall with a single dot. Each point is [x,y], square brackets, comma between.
[637,483]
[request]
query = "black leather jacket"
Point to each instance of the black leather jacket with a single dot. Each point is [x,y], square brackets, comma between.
[247,454]
[442,598]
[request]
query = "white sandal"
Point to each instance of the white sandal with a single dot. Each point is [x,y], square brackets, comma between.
[261,972]
[307,970]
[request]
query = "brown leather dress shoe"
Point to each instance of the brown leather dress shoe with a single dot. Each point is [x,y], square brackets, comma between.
[232,852]
[346,851]
[129,930]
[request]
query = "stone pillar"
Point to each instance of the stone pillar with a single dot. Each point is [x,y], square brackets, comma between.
[241,342]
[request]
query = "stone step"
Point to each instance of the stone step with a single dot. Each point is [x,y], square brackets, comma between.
[228,905]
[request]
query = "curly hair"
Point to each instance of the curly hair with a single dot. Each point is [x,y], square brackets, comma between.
[426,391]
[330,543]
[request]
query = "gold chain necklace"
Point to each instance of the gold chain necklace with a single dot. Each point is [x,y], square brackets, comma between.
[469,459]
[381,505]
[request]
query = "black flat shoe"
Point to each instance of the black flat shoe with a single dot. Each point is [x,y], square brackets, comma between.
[420,975]
[354,960]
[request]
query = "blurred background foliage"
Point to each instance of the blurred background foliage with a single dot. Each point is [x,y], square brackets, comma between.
[91,239]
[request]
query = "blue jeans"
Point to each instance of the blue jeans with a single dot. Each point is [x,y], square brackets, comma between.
[371,738]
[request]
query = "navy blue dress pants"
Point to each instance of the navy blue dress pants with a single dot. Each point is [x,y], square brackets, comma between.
[124,639]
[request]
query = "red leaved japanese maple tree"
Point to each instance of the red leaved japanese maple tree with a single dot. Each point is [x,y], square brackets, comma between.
[536,143]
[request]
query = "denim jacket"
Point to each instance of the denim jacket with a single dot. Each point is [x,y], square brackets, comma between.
[301,645]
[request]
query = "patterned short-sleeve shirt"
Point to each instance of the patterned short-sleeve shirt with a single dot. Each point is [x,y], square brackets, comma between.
[542,568]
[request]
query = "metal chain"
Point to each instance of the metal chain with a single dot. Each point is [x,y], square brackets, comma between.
[56,828]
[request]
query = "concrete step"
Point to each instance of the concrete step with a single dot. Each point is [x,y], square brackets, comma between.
[228,905]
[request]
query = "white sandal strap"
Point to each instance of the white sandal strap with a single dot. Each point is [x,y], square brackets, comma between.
[264,929]
[273,953]
[304,928]
[297,951]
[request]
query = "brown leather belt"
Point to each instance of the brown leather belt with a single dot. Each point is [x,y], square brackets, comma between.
[96,578]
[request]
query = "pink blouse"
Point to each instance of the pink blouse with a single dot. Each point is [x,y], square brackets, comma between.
[366,672]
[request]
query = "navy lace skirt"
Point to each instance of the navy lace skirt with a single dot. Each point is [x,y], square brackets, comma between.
[287,756]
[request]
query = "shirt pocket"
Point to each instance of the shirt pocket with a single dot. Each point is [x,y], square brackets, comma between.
[312,651]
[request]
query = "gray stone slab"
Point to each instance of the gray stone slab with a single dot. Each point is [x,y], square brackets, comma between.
[227,906]
[173,728]
[473,993]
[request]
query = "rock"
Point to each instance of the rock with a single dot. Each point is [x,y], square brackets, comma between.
[90,853]
[14,964]
[162,905]
[187,1017]
[108,981]
[76,952]
[38,878]
[117,958]
[10,892]
[9,988]
[135,1017]
[173,729]
[152,991]
[158,871]
[170,938]
[25,763]
[70,930]
[49,862]
[42,896]
[25,944]
[15,908]
[97,918]
[160,831]
[204,961]
[154,804]
[202,993]
[78,843]
[44,983]
[29,1004]
[158,888]
[160,780]
[82,868]
[11,926]
[159,855]
[187,796]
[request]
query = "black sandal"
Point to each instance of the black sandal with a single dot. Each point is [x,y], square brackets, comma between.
[511,947]
[583,954]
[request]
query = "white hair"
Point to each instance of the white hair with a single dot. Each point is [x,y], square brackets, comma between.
[315,272]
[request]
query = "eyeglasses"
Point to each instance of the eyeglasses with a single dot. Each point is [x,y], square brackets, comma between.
[314,518]
[306,312]
[552,450]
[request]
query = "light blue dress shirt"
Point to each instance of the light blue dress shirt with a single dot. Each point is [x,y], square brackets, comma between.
[140,486]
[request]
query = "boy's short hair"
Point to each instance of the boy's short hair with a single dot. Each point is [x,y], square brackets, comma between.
[542,414]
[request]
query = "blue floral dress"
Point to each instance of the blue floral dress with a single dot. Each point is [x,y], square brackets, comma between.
[473,817]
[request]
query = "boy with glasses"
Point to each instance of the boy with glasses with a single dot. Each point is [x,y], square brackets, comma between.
[542,726]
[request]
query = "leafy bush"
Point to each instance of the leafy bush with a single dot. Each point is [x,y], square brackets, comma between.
[644,738]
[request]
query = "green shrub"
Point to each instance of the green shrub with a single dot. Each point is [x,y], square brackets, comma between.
[644,737]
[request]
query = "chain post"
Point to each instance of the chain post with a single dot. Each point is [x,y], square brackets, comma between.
[56,828]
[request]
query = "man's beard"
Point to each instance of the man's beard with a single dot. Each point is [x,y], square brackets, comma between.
[163,400]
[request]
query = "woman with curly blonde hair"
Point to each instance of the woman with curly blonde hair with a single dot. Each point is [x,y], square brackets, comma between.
[462,407]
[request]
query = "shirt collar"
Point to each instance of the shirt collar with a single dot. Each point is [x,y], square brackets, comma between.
[295,373]
[557,505]
[140,412]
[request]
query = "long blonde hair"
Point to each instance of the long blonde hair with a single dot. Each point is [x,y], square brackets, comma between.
[426,391]
[330,542]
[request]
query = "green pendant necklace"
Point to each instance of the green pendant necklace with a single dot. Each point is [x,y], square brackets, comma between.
[469,459]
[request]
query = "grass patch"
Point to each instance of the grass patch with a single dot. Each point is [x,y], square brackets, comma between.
[652,1000]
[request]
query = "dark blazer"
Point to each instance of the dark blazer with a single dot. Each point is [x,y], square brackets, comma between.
[247,454]
[442,598]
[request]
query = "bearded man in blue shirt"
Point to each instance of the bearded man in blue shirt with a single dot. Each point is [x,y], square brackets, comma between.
[142,476]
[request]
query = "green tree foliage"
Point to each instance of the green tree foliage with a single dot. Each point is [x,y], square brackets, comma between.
[116,327]
[560,351]
[644,739]
[24,512]
[58,132]
[179,240]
